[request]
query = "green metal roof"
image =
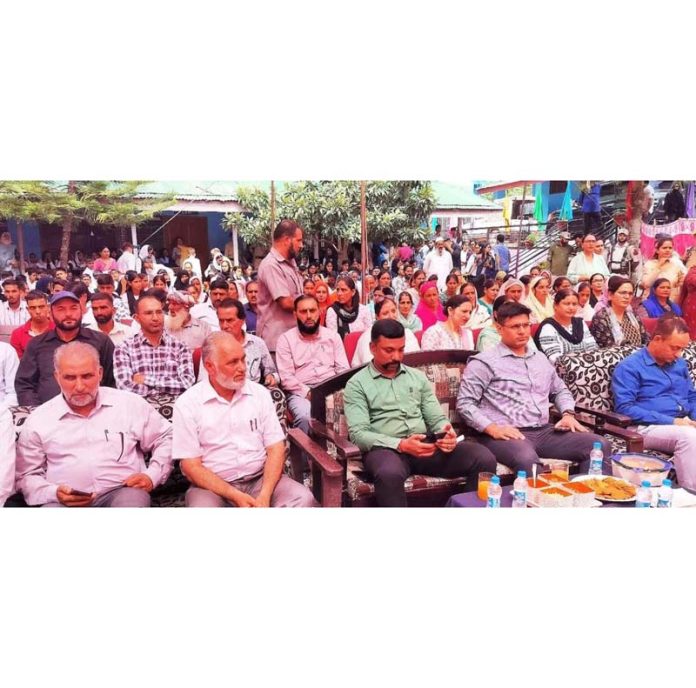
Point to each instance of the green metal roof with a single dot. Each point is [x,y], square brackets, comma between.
[456,196]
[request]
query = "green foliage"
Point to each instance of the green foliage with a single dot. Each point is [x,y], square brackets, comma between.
[330,210]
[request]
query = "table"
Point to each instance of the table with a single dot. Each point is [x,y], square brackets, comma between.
[471,500]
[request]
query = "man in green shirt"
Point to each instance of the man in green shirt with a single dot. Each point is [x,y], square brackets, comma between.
[390,408]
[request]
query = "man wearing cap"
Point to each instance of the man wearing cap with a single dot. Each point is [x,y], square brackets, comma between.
[35,382]
[179,323]
[86,446]
[623,258]
[439,262]
[560,252]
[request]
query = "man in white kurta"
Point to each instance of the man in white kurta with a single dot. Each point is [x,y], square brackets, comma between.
[438,262]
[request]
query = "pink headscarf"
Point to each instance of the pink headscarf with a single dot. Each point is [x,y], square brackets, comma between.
[427,316]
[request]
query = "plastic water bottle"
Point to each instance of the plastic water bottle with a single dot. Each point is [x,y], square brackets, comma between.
[596,459]
[494,492]
[644,495]
[664,494]
[519,490]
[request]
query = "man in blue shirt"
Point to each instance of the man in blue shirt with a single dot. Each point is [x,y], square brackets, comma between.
[654,388]
[502,254]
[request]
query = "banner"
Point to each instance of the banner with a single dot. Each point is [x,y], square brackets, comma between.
[681,231]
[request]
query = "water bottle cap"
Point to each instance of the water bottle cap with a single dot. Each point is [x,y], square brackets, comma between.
[521,474]
[667,483]
[645,483]
[597,445]
[495,480]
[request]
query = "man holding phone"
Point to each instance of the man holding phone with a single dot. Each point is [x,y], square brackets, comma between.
[85,447]
[394,416]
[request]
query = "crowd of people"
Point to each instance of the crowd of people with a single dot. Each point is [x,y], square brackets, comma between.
[91,341]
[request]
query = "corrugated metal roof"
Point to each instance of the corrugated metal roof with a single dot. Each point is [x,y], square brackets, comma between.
[458,196]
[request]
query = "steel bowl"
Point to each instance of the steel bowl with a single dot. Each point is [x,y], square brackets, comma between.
[638,467]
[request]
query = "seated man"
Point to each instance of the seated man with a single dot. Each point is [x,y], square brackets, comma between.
[228,436]
[152,360]
[654,388]
[207,311]
[104,322]
[260,365]
[252,308]
[105,285]
[179,323]
[389,409]
[504,396]
[305,356]
[35,381]
[38,323]
[85,447]
[7,456]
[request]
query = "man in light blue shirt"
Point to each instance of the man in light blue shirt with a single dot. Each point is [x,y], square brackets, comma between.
[654,388]
[502,254]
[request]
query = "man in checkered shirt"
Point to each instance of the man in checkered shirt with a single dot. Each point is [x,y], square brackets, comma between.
[152,361]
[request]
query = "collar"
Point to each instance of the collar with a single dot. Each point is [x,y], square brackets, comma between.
[208,392]
[375,373]
[63,409]
[507,351]
[650,361]
[279,257]
[141,339]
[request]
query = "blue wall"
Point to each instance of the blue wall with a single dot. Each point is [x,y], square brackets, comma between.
[31,237]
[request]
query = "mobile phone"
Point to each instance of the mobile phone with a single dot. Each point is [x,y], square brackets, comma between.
[79,493]
[433,437]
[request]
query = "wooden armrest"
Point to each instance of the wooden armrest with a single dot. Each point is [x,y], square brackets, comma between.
[608,416]
[326,463]
[345,448]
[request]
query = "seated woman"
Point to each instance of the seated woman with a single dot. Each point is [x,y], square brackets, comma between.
[539,301]
[490,293]
[414,289]
[664,263]
[406,316]
[597,284]
[659,302]
[513,289]
[309,287]
[490,335]
[565,333]
[480,317]
[451,334]
[585,310]
[617,324]
[429,309]
[324,299]
[347,314]
[384,310]
[451,288]
[561,282]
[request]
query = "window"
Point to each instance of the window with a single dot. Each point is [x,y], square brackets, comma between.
[557,187]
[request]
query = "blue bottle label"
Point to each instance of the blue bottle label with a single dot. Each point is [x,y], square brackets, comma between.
[662,503]
[520,497]
[642,504]
[494,502]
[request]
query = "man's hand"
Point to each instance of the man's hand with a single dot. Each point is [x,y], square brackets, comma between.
[449,442]
[270,381]
[570,423]
[66,498]
[242,499]
[139,378]
[503,432]
[263,500]
[685,421]
[139,480]
[415,447]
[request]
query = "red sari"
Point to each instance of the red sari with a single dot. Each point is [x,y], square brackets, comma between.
[688,301]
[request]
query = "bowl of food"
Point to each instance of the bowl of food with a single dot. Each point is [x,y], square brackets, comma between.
[638,467]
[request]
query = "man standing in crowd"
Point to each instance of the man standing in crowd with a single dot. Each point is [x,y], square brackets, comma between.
[502,254]
[252,308]
[504,396]
[104,322]
[228,437]
[35,381]
[127,260]
[653,387]
[207,311]
[675,206]
[389,409]
[13,312]
[590,202]
[38,323]
[438,262]
[153,361]
[307,355]
[280,283]
[560,252]
[623,258]
[179,323]
[85,447]
[587,263]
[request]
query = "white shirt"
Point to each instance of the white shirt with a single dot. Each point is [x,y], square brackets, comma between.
[364,355]
[207,313]
[231,436]
[13,318]
[7,456]
[438,337]
[9,362]
[579,265]
[438,264]
[59,447]
[127,261]
[118,334]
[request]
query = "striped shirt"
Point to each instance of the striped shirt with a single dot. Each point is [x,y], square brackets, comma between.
[555,345]
[168,367]
[13,318]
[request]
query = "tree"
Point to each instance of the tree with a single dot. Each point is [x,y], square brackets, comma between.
[67,204]
[330,210]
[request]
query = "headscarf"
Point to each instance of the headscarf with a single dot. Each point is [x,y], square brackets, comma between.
[511,282]
[412,321]
[539,311]
[654,307]
[427,316]
[145,252]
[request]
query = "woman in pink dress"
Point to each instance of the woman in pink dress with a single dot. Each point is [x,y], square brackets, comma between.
[688,300]
[104,263]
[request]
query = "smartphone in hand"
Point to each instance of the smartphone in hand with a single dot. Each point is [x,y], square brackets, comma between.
[433,437]
[79,493]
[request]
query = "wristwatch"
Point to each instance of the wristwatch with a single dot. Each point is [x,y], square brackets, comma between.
[569,413]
